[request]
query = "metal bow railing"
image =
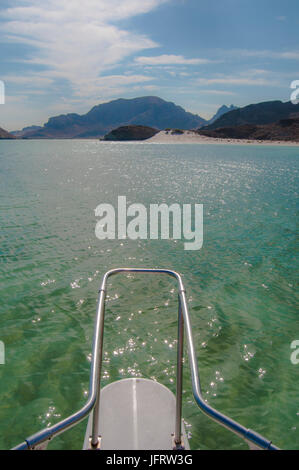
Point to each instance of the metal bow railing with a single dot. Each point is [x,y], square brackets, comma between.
[41,439]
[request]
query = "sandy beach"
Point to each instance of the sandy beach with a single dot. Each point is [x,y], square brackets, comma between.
[189,137]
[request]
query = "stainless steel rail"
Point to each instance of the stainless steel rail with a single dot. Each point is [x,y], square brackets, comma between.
[40,440]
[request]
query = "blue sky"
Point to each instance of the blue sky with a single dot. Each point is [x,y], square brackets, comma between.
[60,56]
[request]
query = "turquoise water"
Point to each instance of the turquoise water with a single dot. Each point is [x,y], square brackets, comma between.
[241,285]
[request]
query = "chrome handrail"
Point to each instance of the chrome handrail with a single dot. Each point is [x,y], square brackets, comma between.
[38,440]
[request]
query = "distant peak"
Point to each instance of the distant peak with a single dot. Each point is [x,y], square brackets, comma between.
[222,110]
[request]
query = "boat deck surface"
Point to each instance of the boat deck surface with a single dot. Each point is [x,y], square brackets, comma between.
[136,414]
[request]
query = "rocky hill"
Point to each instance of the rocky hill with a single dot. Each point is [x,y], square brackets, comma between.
[127,133]
[147,111]
[256,114]
[25,131]
[285,130]
[5,135]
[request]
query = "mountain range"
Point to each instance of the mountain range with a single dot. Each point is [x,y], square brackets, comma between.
[257,114]
[156,113]
[148,111]
[26,130]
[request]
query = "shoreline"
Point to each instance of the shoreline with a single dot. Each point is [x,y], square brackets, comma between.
[165,137]
[190,137]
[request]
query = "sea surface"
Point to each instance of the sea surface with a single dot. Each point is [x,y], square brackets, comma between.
[241,285]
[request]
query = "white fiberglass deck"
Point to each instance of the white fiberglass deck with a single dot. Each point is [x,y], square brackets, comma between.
[136,414]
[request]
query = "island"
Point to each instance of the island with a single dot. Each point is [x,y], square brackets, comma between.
[131,133]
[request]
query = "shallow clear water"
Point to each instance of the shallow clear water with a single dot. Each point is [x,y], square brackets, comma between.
[241,285]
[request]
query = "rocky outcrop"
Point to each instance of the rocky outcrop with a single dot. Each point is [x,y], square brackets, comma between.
[222,110]
[285,130]
[5,135]
[255,114]
[127,133]
[26,130]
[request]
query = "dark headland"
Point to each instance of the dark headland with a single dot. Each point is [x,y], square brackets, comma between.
[5,135]
[283,130]
[131,133]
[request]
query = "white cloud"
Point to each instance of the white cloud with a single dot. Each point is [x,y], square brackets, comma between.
[27,80]
[290,55]
[252,77]
[232,80]
[219,92]
[86,11]
[110,83]
[77,40]
[169,59]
